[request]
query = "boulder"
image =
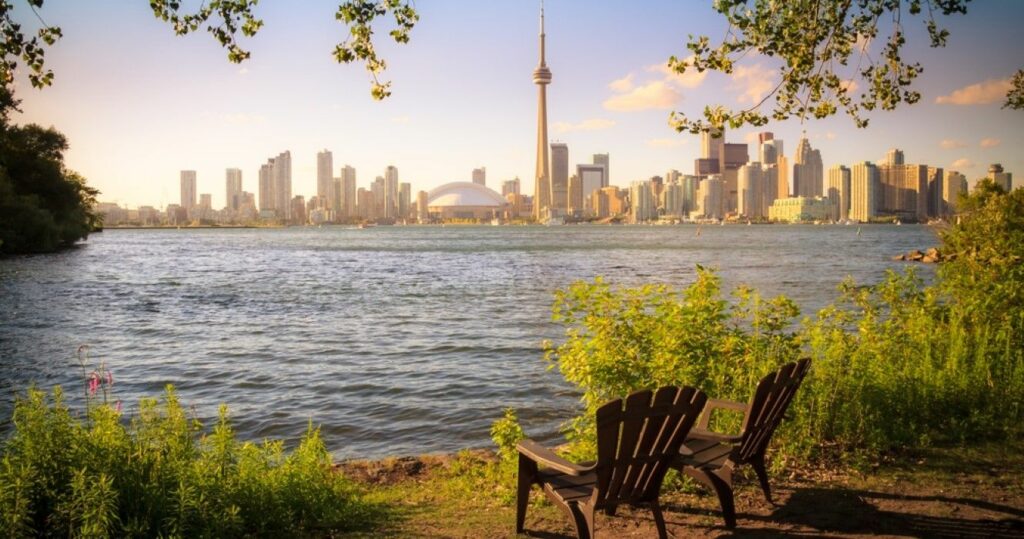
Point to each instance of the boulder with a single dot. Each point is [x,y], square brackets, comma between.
[915,255]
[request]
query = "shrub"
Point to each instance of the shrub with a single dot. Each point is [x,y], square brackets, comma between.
[158,475]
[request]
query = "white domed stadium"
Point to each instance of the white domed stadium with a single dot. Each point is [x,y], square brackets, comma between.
[465,200]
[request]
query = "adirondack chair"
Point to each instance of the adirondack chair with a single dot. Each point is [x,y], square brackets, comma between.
[710,457]
[635,447]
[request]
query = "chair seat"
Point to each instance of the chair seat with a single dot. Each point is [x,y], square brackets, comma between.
[704,453]
[568,488]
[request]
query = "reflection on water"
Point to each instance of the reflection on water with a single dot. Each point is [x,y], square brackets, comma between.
[397,340]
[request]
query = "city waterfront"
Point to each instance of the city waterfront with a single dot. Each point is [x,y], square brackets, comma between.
[396,340]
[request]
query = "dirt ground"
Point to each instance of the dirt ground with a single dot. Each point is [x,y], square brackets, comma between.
[952,492]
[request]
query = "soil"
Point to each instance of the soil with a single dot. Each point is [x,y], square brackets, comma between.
[951,492]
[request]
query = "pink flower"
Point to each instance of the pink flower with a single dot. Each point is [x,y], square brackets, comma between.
[110,379]
[118,406]
[94,383]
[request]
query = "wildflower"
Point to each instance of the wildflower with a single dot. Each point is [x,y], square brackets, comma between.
[94,383]
[110,379]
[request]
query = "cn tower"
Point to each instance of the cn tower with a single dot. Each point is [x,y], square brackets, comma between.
[542,77]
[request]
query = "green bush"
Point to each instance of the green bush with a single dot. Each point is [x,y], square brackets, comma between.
[158,475]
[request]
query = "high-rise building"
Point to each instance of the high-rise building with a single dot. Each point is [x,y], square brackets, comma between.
[188,189]
[348,191]
[935,191]
[672,202]
[769,186]
[404,200]
[643,207]
[894,157]
[769,149]
[603,159]
[390,192]
[366,206]
[733,157]
[325,179]
[268,200]
[233,188]
[282,173]
[559,176]
[206,201]
[709,198]
[838,191]
[782,171]
[377,189]
[864,190]
[422,214]
[592,178]
[575,195]
[510,186]
[904,191]
[1002,179]
[297,210]
[712,143]
[952,186]
[480,176]
[542,185]
[807,171]
[690,184]
[750,186]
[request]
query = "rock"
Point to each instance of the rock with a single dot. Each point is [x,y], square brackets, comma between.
[915,255]
[900,257]
[933,252]
[929,259]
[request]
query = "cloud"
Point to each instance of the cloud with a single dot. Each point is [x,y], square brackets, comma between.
[622,85]
[754,82]
[990,142]
[982,93]
[690,79]
[241,118]
[654,95]
[666,142]
[400,120]
[593,124]
[961,164]
[830,135]
[243,71]
[951,144]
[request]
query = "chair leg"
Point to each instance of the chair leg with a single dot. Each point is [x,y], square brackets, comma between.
[659,520]
[583,520]
[762,475]
[527,474]
[722,488]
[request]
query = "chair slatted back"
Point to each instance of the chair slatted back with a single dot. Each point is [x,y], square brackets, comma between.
[636,444]
[771,400]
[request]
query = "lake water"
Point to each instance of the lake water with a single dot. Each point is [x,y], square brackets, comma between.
[396,340]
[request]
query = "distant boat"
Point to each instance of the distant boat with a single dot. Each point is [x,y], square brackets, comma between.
[898,223]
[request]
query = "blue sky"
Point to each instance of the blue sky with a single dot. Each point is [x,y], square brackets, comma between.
[139,104]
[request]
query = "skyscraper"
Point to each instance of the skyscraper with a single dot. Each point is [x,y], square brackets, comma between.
[391,192]
[807,171]
[750,186]
[603,159]
[559,176]
[903,190]
[894,157]
[935,191]
[233,188]
[643,207]
[422,215]
[510,186]
[404,200]
[480,176]
[952,185]
[324,177]
[838,190]
[864,189]
[592,178]
[283,185]
[712,144]
[1002,179]
[709,197]
[575,195]
[542,186]
[188,189]
[268,202]
[348,191]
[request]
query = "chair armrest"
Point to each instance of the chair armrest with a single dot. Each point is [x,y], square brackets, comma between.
[542,455]
[705,416]
[701,434]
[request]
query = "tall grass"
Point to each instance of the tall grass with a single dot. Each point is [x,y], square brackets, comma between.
[158,474]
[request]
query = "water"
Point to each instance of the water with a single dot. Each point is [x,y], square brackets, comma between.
[397,340]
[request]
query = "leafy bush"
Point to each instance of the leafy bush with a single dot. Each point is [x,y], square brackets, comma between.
[621,340]
[157,475]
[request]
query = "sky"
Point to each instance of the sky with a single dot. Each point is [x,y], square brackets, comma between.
[139,104]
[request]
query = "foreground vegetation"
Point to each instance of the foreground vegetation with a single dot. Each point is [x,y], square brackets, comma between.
[158,475]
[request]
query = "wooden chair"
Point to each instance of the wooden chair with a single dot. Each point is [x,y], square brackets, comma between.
[635,447]
[710,457]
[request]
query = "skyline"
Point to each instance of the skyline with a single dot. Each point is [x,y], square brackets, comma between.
[472,109]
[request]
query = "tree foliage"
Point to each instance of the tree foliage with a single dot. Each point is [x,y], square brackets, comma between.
[824,51]
[1015,98]
[43,205]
